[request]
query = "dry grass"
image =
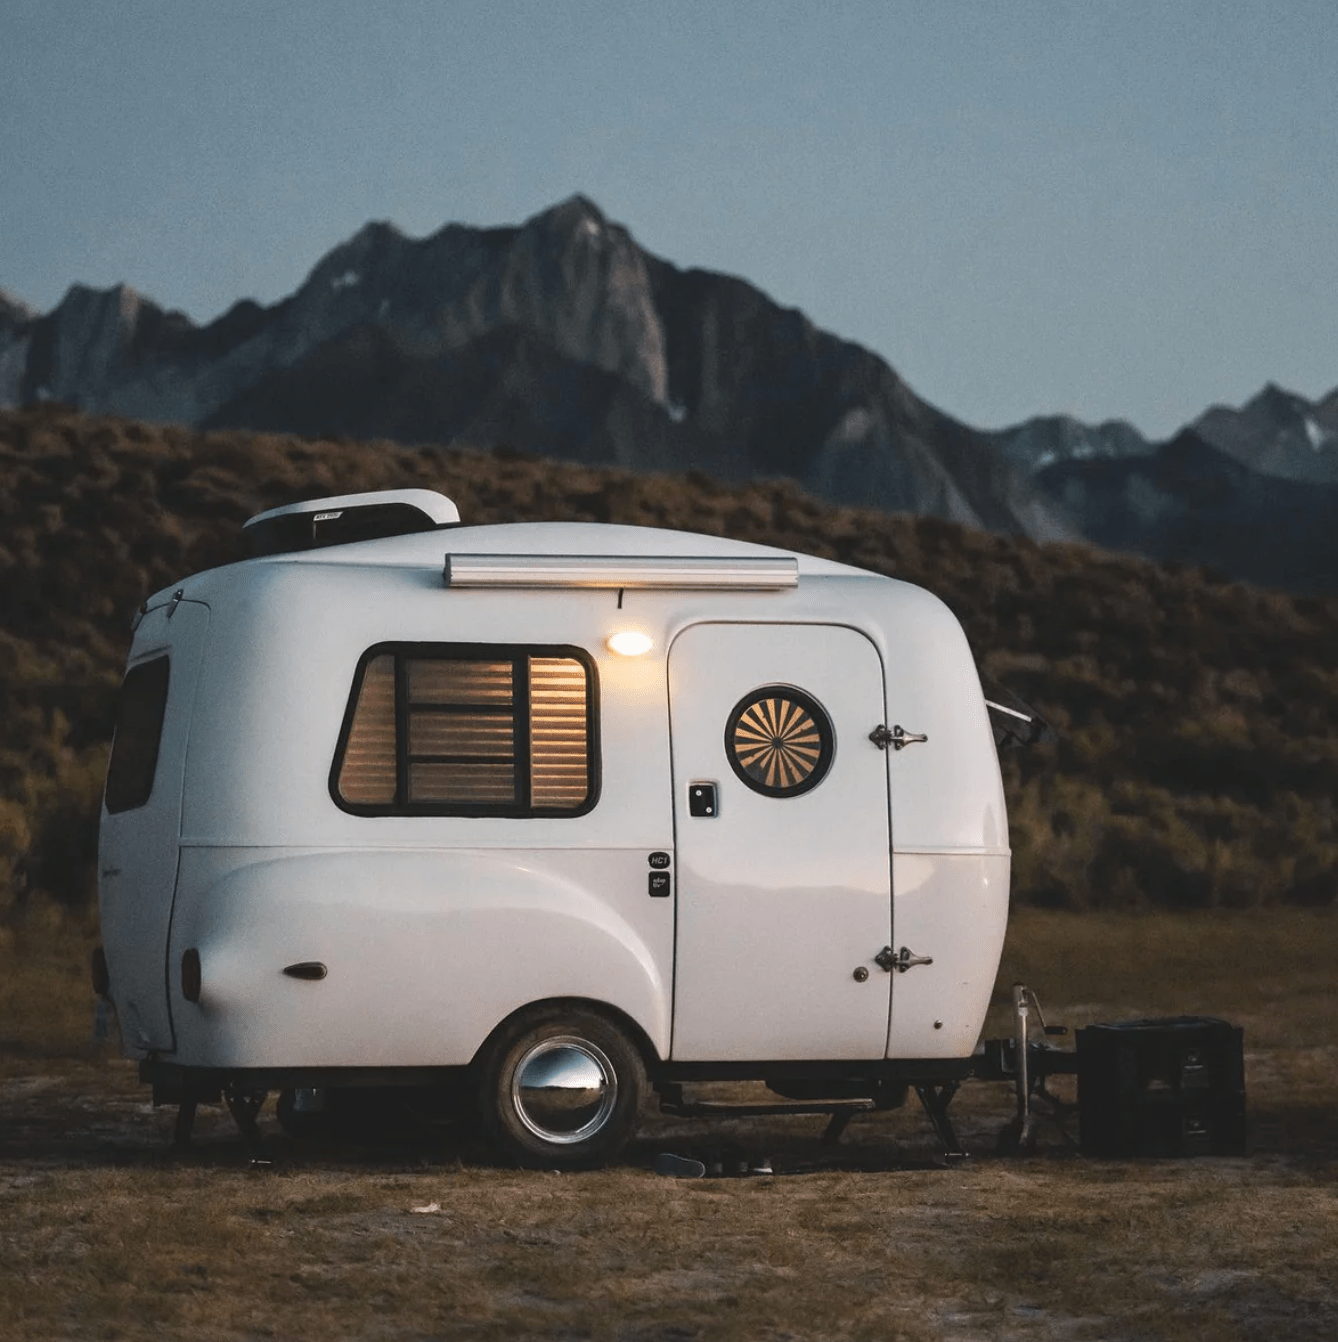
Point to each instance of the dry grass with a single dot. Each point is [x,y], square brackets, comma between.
[105,1234]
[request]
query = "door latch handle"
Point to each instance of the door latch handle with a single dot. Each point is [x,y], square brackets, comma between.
[887,959]
[896,738]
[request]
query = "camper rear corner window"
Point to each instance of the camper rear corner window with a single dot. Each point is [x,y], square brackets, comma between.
[139,728]
[469,730]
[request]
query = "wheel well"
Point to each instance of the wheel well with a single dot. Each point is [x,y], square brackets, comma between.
[639,1039]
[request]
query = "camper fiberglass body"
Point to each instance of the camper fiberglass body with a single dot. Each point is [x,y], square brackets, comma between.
[582,811]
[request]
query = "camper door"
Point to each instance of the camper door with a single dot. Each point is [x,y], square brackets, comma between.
[782,834]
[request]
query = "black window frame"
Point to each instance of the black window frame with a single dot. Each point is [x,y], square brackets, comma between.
[517,654]
[141,766]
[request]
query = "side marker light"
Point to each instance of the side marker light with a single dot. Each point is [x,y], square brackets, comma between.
[310,970]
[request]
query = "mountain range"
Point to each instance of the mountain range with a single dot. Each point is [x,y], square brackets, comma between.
[563,337]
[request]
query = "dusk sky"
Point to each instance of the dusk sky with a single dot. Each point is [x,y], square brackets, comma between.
[1112,210]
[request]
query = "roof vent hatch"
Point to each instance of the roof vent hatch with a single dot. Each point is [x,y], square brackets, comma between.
[345,518]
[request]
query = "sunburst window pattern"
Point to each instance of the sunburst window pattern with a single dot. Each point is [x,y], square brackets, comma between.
[779,741]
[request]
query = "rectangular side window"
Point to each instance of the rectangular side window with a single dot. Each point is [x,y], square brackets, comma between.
[469,730]
[139,729]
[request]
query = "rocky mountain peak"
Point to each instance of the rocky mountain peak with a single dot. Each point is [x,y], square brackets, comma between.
[1278,433]
[83,297]
[577,213]
[1039,443]
[585,283]
[377,232]
[13,311]
[1271,396]
[84,347]
[346,265]
[370,242]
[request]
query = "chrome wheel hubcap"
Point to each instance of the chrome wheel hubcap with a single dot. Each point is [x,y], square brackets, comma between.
[564,1089]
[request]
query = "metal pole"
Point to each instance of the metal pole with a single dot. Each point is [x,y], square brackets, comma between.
[1020,1069]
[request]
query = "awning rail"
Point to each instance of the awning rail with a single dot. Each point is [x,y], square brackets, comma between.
[681,572]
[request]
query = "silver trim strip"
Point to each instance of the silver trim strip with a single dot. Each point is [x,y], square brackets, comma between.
[925,851]
[684,572]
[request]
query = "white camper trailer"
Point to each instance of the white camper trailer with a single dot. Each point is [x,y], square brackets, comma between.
[559,812]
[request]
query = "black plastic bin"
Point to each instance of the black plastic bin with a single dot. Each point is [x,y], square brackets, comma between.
[1172,1087]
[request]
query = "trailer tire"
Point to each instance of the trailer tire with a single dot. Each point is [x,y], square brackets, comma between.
[560,1088]
[299,1124]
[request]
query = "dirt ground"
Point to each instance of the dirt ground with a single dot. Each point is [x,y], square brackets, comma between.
[107,1232]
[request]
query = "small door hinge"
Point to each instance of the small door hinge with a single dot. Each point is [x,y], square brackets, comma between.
[896,738]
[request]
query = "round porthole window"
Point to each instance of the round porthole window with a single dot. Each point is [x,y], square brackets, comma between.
[779,741]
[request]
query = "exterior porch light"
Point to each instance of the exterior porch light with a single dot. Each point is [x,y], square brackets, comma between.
[630,643]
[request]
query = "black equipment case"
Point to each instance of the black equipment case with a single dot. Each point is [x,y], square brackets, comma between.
[1172,1087]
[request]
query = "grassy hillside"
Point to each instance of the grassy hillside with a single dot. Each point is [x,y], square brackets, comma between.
[1197,749]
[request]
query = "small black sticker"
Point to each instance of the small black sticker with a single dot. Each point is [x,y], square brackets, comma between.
[658,861]
[658,884]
